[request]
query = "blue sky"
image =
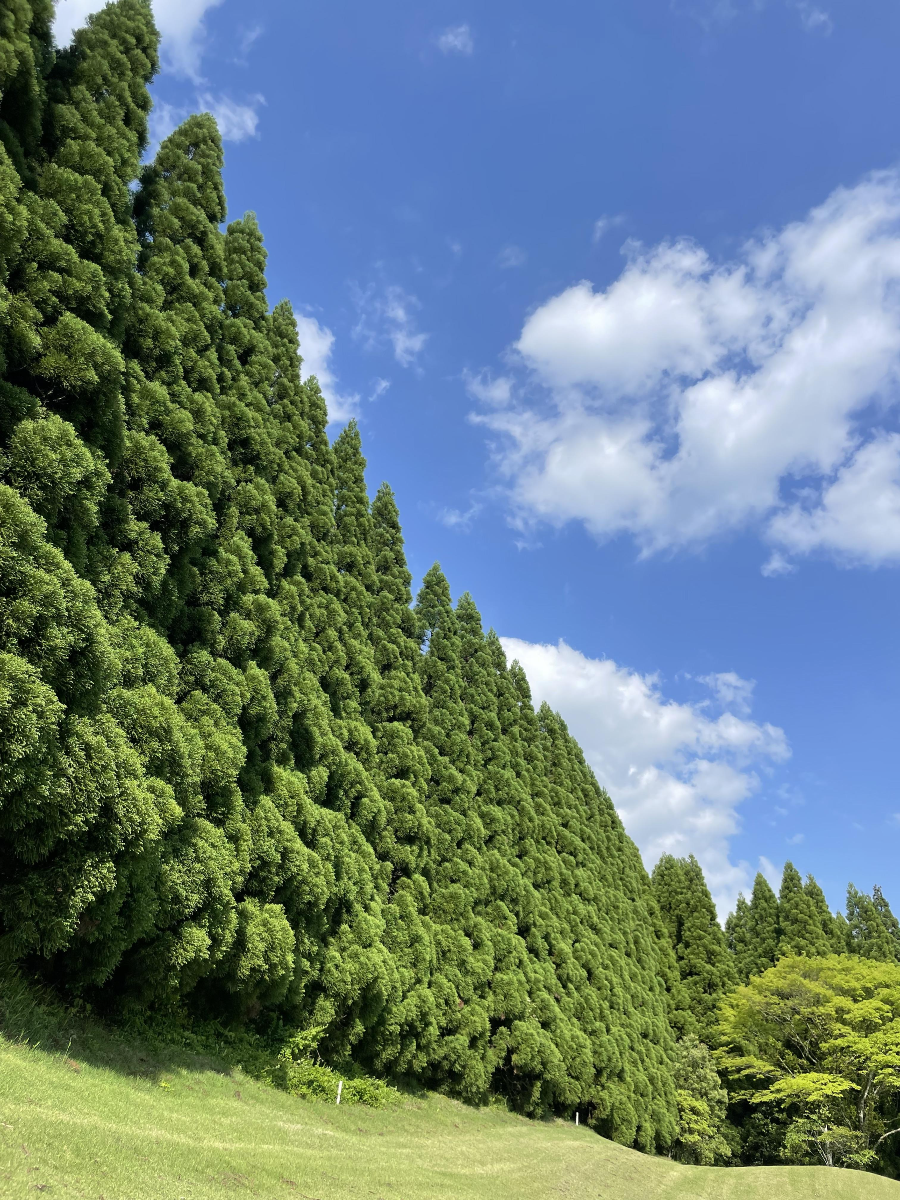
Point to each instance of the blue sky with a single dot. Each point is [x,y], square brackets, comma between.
[614,291]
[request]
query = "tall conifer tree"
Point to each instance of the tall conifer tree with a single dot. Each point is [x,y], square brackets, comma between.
[869,934]
[237,774]
[704,963]
[763,928]
[737,936]
[890,922]
[800,916]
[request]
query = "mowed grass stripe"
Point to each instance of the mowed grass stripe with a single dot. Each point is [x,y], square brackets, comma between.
[77,1130]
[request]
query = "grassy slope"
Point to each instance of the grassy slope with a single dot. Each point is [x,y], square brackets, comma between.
[76,1129]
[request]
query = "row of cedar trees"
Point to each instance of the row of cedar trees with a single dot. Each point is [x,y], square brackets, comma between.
[242,776]
[240,773]
[712,962]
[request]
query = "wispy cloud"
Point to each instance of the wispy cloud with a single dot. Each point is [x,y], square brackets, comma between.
[813,18]
[712,13]
[249,38]
[456,39]
[388,316]
[511,257]
[316,346]
[236,122]
[731,691]
[493,390]
[455,518]
[379,388]
[603,225]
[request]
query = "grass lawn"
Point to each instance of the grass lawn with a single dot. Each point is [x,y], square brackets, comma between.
[143,1130]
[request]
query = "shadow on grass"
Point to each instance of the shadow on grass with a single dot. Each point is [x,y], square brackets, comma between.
[31,1016]
[145,1047]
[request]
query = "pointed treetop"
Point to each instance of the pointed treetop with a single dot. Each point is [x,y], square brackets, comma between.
[868,934]
[890,922]
[800,918]
[100,101]
[245,261]
[351,508]
[182,193]
[704,963]
[434,606]
[762,927]
[394,577]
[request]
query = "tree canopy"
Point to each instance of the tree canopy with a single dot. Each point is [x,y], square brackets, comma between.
[241,775]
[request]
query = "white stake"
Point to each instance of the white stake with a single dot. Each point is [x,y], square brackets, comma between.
[340,1089]
[576,1118]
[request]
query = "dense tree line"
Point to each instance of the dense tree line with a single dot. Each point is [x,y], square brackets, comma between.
[245,776]
[798,1007]
[241,774]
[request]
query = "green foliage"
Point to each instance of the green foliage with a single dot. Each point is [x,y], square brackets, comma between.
[806,925]
[702,1102]
[872,930]
[706,968]
[242,780]
[818,1041]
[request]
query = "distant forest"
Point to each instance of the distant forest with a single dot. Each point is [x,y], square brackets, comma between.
[246,778]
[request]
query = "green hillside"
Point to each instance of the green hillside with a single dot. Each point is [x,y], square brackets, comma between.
[70,1128]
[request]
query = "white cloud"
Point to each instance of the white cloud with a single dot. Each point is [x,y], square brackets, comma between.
[316,345]
[857,515]
[164,118]
[236,122]
[731,691]
[603,225]
[495,391]
[711,13]
[511,257]
[455,518]
[388,315]
[457,39]
[676,776]
[249,38]
[813,18]
[691,399]
[180,23]
[776,565]
[771,872]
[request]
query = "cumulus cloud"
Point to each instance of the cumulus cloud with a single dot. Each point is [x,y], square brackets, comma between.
[676,774]
[691,399]
[180,23]
[456,39]
[316,345]
[388,316]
